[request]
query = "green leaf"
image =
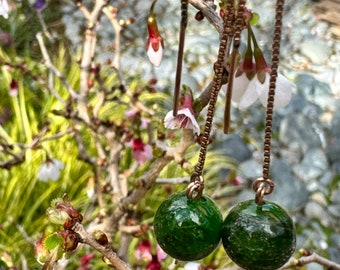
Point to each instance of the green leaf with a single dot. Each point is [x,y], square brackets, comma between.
[52,241]
[254,19]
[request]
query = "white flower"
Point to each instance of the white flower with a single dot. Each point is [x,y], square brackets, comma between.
[246,92]
[191,266]
[155,56]
[4,8]
[184,119]
[50,170]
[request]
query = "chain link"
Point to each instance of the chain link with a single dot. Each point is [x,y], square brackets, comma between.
[264,186]
[196,186]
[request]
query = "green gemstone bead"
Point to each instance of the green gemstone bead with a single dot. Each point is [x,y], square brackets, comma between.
[258,237]
[186,229]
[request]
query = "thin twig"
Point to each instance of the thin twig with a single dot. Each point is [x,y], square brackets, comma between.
[56,72]
[106,250]
[111,14]
[177,180]
[145,182]
[87,57]
[210,13]
[311,258]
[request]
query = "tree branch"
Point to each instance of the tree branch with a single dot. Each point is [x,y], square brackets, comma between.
[208,10]
[106,250]
[147,180]
[311,258]
[56,72]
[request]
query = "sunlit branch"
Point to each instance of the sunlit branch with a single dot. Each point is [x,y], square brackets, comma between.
[111,13]
[311,258]
[208,9]
[105,250]
[145,182]
[50,66]
[87,57]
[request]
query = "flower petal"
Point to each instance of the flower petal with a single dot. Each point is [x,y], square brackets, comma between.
[283,93]
[250,95]
[184,119]
[141,156]
[155,57]
[4,8]
[240,85]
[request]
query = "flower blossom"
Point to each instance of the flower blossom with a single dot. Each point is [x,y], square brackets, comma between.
[50,170]
[4,8]
[39,4]
[192,266]
[13,88]
[144,253]
[155,43]
[185,116]
[154,264]
[251,81]
[141,152]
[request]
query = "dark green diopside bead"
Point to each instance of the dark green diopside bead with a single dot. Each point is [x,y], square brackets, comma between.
[258,237]
[187,229]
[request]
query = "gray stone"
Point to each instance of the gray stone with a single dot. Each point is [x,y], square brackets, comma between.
[314,266]
[335,240]
[233,146]
[335,125]
[334,250]
[314,210]
[316,50]
[313,165]
[334,210]
[334,254]
[251,169]
[289,191]
[297,128]
[335,196]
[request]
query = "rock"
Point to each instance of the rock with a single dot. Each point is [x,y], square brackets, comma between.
[316,50]
[233,146]
[335,125]
[251,169]
[288,192]
[334,250]
[297,128]
[314,266]
[314,210]
[313,165]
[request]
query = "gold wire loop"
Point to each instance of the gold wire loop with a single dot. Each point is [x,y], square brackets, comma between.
[195,188]
[262,187]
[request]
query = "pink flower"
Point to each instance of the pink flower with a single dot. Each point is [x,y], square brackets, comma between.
[185,116]
[85,261]
[136,117]
[237,181]
[143,251]
[41,253]
[154,264]
[155,43]
[141,152]
[13,88]
[161,255]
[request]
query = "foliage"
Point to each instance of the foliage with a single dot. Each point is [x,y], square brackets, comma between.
[103,124]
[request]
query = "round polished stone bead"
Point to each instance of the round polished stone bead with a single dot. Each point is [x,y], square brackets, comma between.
[258,237]
[188,229]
